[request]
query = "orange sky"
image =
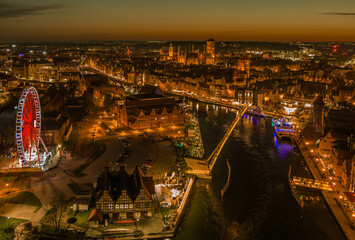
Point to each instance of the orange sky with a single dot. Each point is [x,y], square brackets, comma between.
[273,20]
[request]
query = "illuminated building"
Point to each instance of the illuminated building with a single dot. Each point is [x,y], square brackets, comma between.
[243,65]
[123,195]
[318,113]
[210,52]
[171,51]
[150,110]
[210,47]
[54,128]
[46,71]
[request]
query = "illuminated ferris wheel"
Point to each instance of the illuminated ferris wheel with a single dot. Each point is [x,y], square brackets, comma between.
[28,128]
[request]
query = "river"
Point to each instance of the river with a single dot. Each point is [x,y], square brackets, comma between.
[7,117]
[258,203]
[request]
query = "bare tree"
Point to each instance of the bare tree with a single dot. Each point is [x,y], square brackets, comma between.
[57,206]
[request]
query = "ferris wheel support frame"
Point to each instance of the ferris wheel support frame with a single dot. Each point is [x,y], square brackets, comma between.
[19,126]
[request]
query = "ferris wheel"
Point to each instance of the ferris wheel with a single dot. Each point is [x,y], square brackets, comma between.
[28,128]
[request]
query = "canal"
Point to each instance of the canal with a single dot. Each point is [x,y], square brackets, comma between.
[258,203]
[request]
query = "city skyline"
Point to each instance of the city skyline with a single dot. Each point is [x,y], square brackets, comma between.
[179,20]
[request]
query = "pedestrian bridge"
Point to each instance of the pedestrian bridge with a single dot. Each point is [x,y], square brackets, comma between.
[214,155]
[312,183]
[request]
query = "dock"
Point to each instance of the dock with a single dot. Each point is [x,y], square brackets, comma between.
[224,189]
[342,219]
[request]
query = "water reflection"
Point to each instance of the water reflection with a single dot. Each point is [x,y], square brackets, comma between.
[258,201]
[7,117]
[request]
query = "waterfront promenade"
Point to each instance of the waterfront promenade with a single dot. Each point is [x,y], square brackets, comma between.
[331,197]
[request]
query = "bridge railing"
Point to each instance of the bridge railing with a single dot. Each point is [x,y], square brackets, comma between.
[214,155]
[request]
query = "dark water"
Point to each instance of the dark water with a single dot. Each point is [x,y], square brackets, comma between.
[7,117]
[258,201]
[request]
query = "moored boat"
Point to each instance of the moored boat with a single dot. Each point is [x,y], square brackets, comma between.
[256,111]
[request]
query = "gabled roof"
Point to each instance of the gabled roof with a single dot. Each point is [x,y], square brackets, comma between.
[116,182]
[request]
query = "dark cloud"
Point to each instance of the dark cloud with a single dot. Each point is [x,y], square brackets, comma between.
[9,10]
[340,13]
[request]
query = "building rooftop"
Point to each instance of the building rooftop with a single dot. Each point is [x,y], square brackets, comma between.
[116,181]
[144,96]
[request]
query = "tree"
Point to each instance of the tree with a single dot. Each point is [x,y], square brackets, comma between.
[58,205]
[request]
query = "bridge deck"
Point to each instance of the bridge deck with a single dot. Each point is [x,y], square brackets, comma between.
[311,183]
[213,157]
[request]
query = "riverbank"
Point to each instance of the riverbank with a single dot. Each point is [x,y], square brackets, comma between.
[329,197]
[194,136]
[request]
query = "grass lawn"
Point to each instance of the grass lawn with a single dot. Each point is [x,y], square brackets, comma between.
[164,211]
[9,179]
[81,218]
[26,198]
[8,223]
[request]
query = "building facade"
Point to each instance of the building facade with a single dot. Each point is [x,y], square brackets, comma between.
[150,110]
[125,196]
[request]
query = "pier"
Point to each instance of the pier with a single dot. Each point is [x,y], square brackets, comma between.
[346,224]
[224,189]
[293,189]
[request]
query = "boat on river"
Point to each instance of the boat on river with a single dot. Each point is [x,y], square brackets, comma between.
[283,128]
[256,111]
